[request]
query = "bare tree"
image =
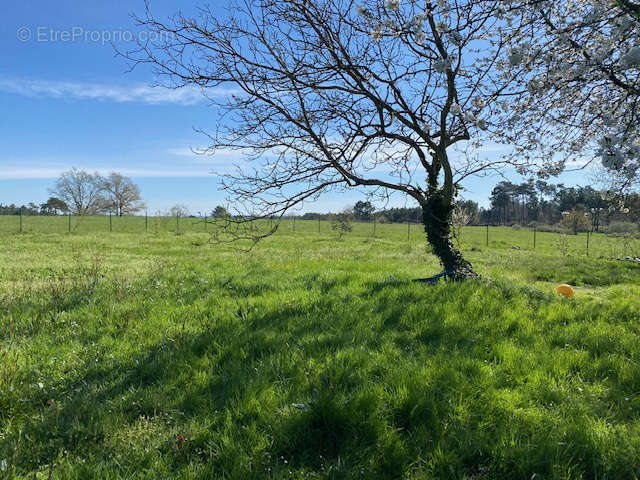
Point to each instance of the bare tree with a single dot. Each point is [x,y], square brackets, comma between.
[334,94]
[179,210]
[122,195]
[81,191]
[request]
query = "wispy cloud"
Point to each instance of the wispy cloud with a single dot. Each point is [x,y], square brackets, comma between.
[9,173]
[215,158]
[108,92]
[33,173]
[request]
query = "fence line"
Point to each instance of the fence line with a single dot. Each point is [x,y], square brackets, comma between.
[478,236]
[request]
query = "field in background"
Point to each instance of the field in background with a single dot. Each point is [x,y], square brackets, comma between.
[471,237]
[147,356]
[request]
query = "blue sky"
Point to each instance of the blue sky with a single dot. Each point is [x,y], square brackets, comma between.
[68,101]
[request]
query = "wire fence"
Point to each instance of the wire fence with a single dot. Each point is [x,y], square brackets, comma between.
[478,237]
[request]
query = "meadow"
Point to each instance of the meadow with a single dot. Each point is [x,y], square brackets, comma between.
[156,355]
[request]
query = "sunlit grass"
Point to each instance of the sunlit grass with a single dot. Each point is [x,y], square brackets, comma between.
[162,356]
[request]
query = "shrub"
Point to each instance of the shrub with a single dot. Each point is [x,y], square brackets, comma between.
[557,228]
[576,221]
[618,228]
[341,224]
[562,245]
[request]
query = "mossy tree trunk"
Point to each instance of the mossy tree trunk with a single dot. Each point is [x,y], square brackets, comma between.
[437,217]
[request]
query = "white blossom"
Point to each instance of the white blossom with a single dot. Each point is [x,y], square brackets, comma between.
[478,102]
[632,58]
[456,38]
[516,56]
[393,5]
[441,65]
[360,10]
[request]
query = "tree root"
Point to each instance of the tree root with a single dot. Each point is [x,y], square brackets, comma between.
[450,276]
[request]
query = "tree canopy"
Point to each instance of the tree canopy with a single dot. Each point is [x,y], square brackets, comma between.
[392,96]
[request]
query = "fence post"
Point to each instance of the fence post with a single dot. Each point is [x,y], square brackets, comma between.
[110,223]
[588,236]
[205,222]
[487,234]
[146,221]
[534,237]
[20,219]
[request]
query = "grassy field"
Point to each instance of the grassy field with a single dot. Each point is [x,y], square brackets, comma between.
[472,237]
[163,356]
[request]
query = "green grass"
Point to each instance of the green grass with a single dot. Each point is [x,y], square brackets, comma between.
[472,237]
[136,355]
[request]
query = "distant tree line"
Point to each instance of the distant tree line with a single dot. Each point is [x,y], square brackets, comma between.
[527,203]
[544,203]
[364,211]
[53,206]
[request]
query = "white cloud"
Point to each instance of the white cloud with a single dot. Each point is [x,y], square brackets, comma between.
[103,91]
[30,173]
[218,157]
[184,152]
[8,173]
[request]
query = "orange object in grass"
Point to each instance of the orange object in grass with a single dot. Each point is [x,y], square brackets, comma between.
[565,290]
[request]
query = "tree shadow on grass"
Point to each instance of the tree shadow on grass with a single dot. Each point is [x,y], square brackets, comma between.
[378,390]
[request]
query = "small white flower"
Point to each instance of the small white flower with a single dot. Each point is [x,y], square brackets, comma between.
[515,57]
[478,102]
[456,37]
[632,58]
[440,66]
[3,465]
[482,124]
[455,109]
[40,385]
[576,145]
[393,5]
